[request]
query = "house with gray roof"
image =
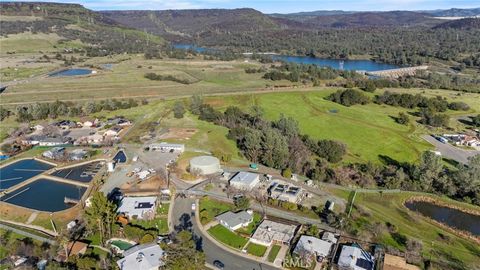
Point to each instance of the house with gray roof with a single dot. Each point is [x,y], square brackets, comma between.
[312,248]
[234,221]
[145,257]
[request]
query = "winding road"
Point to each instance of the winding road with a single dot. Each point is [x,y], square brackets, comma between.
[183,219]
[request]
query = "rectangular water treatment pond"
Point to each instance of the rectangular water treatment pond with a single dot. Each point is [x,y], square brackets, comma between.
[82,173]
[20,171]
[45,195]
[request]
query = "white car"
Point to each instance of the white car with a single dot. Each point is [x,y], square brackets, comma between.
[194,207]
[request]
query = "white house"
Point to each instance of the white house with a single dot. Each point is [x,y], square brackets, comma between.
[245,180]
[355,258]
[234,221]
[138,207]
[309,246]
[145,257]
[114,131]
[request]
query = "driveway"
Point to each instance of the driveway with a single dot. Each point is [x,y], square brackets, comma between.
[451,152]
[183,220]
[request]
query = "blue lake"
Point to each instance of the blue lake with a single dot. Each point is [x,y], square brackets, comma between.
[82,173]
[71,72]
[363,65]
[20,171]
[44,195]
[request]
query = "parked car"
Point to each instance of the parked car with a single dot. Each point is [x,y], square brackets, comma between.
[218,264]
[194,207]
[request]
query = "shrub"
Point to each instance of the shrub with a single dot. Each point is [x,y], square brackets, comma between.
[287,173]
[459,106]
[147,238]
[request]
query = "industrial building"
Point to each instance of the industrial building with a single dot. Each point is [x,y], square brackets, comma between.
[245,180]
[283,191]
[167,147]
[204,165]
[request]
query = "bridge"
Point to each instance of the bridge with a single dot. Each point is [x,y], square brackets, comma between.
[397,72]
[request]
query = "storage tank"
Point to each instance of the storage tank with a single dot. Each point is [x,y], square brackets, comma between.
[205,165]
[111,166]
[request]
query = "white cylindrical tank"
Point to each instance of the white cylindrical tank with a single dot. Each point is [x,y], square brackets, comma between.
[111,166]
[205,165]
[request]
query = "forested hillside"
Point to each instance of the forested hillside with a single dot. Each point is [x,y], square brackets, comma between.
[193,23]
[98,34]
[397,37]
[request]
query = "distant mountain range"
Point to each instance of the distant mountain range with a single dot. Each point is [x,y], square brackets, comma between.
[453,12]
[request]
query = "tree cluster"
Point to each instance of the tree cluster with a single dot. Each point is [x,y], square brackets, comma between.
[276,144]
[52,110]
[349,97]
[160,77]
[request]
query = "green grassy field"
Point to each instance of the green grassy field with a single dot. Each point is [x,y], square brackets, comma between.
[126,79]
[441,245]
[368,131]
[272,255]
[227,237]
[256,250]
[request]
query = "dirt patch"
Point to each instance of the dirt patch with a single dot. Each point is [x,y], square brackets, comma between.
[178,133]
[151,185]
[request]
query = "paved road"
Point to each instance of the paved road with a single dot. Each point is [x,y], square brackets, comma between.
[27,234]
[450,151]
[183,219]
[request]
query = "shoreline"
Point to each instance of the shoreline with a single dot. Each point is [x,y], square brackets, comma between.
[461,233]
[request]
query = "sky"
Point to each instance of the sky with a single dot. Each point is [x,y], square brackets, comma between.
[275,6]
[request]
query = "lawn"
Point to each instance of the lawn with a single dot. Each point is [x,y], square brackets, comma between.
[227,237]
[210,208]
[272,255]
[256,250]
[447,247]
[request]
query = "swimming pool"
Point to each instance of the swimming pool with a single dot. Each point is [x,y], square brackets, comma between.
[45,195]
[19,171]
[120,157]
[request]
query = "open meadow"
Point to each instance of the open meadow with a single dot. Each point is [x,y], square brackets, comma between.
[374,211]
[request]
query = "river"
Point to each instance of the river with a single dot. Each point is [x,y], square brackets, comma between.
[448,216]
[361,65]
